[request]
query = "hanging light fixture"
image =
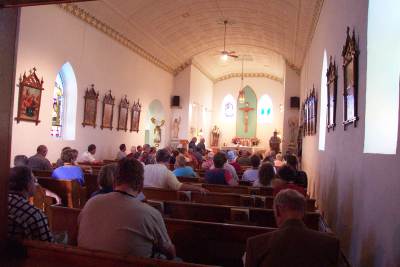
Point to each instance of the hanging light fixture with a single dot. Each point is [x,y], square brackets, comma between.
[241,91]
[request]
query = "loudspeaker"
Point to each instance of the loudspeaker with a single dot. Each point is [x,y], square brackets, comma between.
[295,102]
[175,101]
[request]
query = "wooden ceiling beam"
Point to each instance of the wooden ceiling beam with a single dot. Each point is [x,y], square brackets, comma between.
[23,3]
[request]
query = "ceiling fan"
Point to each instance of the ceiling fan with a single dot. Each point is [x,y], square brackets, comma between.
[225,54]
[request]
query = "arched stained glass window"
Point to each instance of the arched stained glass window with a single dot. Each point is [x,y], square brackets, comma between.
[265,110]
[228,107]
[58,108]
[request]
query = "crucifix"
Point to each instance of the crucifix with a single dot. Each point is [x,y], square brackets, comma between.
[246,111]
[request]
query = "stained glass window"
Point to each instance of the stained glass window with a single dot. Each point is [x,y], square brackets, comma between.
[228,107]
[265,109]
[58,108]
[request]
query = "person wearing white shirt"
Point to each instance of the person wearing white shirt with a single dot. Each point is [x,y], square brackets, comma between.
[122,152]
[159,176]
[88,156]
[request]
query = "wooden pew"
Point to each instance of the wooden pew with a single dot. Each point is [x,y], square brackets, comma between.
[43,254]
[229,214]
[184,179]
[195,241]
[217,198]
[72,194]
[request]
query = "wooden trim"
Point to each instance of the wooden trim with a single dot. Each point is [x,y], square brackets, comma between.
[23,3]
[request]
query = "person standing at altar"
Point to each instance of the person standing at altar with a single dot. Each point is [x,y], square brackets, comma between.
[275,142]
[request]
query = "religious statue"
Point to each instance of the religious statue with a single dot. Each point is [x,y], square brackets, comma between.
[157,130]
[275,143]
[246,111]
[292,122]
[175,127]
[215,136]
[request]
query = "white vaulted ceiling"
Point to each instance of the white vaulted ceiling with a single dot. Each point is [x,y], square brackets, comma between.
[177,32]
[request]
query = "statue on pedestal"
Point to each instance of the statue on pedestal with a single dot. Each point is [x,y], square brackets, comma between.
[175,127]
[157,130]
[215,132]
[275,142]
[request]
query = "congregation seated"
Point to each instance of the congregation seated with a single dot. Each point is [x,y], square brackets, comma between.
[208,162]
[251,175]
[148,155]
[269,157]
[105,179]
[278,162]
[122,152]
[69,171]
[88,156]
[39,162]
[218,174]
[286,181]
[266,174]
[158,175]
[119,222]
[20,160]
[293,244]
[59,161]
[231,156]
[181,169]
[244,158]
[24,220]
[300,177]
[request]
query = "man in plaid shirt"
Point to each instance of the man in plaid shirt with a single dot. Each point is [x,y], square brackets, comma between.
[24,220]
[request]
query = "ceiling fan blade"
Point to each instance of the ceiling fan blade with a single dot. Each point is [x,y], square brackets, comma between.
[231,52]
[231,55]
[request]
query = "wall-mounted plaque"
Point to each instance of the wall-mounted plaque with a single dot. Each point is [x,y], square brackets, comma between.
[30,95]
[350,71]
[123,112]
[90,110]
[108,111]
[331,85]
[135,117]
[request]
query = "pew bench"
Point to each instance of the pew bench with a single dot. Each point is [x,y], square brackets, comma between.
[195,241]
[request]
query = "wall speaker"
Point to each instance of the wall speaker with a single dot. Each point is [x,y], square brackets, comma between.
[175,101]
[295,102]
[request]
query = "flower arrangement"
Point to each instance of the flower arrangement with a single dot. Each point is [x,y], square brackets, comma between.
[236,140]
[255,141]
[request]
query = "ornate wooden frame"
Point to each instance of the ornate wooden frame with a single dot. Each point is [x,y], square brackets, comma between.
[108,111]
[331,87]
[123,118]
[90,109]
[135,116]
[310,113]
[350,76]
[30,96]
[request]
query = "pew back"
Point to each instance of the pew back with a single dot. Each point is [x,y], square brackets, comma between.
[72,194]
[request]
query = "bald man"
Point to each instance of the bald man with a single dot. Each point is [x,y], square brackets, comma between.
[39,162]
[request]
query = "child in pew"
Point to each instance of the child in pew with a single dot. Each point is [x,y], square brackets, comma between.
[252,174]
[181,169]
[69,171]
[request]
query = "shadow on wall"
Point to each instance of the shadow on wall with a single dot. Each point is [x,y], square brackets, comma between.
[344,226]
[396,247]
[371,255]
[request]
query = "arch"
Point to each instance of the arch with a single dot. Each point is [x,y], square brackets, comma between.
[251,103]
[228,108]
[155,110]
[65,104]
[265,109]
[324,104]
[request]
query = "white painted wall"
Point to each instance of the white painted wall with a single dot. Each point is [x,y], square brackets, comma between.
[358,193]
[182,89]
[201,94]
[292,88]
[48,38]
[260,86]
